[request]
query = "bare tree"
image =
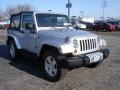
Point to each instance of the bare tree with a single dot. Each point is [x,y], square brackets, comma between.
[9,11]
[2,16]
[27,7]
[18,8]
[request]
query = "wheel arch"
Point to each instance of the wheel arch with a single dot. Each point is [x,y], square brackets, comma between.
[16,41]
[9,39]
[46,47]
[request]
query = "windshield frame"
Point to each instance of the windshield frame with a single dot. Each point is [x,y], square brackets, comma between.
[56,15]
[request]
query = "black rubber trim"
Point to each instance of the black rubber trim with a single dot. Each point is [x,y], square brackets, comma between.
[80,61]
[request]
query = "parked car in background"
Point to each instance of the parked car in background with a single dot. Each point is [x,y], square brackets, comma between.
[118,23]
[115,23]
[104,26]
[1,26]
[79,25]
[88,25]
[4,24]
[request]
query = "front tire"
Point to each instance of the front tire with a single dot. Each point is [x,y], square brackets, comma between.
[51,66]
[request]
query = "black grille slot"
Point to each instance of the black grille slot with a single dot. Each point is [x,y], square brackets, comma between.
[83,44]
[88,44]
[86,48]
[80,45]
[93,43]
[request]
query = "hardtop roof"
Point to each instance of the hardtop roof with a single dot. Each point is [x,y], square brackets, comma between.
[37,12]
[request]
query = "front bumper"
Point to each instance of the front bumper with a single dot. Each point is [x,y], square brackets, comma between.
[81,60]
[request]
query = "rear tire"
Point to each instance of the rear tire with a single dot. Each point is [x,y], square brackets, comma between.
[14,53]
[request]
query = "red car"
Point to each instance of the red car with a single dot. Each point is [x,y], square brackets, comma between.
[6,26]
[104,26]
[113,25]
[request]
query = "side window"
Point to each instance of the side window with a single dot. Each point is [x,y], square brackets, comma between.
[26,19]
[15,22]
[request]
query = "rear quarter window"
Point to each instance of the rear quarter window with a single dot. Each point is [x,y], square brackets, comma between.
[15,22]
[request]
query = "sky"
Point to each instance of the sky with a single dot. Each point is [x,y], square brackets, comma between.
[91,8]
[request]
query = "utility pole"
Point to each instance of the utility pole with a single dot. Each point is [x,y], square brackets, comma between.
[82,14]
[104,5]
[69,5]
[68,9]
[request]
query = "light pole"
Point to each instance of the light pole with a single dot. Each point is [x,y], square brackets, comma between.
[104,5]
[82,14]
[68,9]
[69,5]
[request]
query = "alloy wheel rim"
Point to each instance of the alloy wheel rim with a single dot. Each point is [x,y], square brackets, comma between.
[51,66]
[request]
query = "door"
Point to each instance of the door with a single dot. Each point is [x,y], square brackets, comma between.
[28,41]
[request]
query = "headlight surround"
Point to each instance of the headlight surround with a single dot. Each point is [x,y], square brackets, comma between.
[101,42]
[75,43]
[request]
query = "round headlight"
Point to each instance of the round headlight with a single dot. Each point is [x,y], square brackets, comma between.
[101,42]
[98,40]
[75,43]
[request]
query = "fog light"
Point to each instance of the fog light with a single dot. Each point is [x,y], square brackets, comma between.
[75,51]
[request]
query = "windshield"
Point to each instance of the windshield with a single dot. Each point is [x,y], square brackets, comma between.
[48,20]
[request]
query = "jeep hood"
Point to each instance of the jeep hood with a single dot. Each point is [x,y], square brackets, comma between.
[62,34]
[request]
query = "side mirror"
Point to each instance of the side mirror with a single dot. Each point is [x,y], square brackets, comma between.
[29,26]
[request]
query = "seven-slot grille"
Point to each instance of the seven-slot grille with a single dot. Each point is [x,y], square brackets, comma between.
[88,44]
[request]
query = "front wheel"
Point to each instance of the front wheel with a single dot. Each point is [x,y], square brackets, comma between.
[51,66]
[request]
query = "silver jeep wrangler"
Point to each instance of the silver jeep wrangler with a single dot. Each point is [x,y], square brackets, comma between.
[57,45]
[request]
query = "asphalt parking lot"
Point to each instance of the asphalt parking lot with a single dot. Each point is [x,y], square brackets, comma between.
[25,74]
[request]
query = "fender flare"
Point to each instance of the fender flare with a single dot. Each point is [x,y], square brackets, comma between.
[17,43]
[47,43]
